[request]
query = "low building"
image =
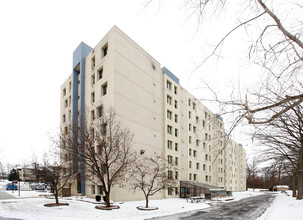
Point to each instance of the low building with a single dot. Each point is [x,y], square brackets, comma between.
[280,188]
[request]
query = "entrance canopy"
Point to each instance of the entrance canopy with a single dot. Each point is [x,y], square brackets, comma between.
[194,188]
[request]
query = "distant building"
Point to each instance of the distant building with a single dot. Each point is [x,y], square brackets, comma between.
[280,188]
[27,174]
[164,117]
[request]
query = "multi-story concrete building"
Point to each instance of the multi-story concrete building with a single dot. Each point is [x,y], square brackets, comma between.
[161,114]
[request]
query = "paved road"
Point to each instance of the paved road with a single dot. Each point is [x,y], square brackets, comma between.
[3,196]
[248,209]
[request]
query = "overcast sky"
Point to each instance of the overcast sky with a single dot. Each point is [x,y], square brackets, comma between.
[38,38]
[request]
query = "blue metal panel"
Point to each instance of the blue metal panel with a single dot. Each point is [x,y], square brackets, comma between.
[79,56]
[75,121]
[170,75]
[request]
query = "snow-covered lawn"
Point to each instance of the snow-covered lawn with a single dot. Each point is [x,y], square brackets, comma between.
[82,208]
[284,207]
[34,209]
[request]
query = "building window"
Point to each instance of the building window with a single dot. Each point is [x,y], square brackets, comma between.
[194,106]
[194,129]
[176,118]
[64,92]
[189,165]
[169,190]
[175,90]
[176,160]
[194,153]
[169,144]
[176,146]
[206,178]
[65,103]
[105,50]
[170,174]
[189,127]
[203,124]
[189,152]
[189,114]
[190,176]
[93,79]
[176,175]
[93,97]
[195,176]
[168,100]
[169,114]
[63,118]
[93,62]
[99,111]
[103,129]
[197,119]
[206,157]
[176,104]
[197,166]
[169,129]
[209,168]
[100,73]
[104,89]
[168,85]
[99,150]
[92,115]
[204,167]
[169,159]
[176,132]
[93,189]
[197,143]
[70,86]
[189,139]
[188,102]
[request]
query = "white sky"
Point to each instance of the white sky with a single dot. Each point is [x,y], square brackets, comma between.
[38,38]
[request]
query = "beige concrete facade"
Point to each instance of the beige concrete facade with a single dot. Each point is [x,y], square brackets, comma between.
[163,116]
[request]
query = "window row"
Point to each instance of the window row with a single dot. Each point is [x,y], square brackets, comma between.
[97,114]
[171,189]
[171,117]
[169,101]
[99,76]
[170,145]
[103,93]
[207,178]
[170,130]
[103,54]
[170,175]
[194,104]
[170,160]
[169,87]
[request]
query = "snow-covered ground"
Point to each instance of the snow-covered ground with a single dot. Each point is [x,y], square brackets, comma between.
[284,207]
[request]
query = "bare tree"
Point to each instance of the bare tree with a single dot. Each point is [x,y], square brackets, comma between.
[53,172]
[275,44]
[283,138]
[2,171]
[106,149]
[153,174]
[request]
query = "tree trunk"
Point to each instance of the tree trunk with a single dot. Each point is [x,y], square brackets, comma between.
[300,186]
[107,196]
[56,196]
[300,174]
[146,201]
[294,186]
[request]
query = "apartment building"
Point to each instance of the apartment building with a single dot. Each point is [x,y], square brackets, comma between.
[149,100]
